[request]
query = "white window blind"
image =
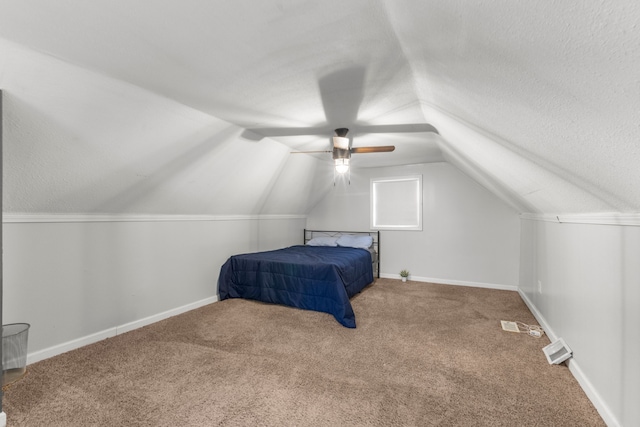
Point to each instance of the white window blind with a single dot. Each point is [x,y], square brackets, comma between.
[396,203]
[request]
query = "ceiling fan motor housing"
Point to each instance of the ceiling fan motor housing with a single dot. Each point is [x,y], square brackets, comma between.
[342,132]
[339,153]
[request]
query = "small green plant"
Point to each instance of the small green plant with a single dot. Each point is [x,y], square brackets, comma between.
[404,273]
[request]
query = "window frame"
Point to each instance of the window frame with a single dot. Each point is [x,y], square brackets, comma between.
[375,202]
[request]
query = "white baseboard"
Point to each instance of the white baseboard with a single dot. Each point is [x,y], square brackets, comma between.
[452,282]
[164,315]
[539,317]
[46,353]
[3,419]
[591,392]
[593,395]
[112,332]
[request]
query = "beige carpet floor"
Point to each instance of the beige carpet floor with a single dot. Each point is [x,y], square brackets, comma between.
[421,355]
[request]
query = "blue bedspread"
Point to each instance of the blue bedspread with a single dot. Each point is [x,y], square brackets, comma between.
[310,277]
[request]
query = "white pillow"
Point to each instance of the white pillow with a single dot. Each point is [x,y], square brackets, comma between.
[323,241]
[352,241]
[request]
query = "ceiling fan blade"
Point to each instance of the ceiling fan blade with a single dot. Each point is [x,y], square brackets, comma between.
[341,93]
[400,128]
[310,152]
[275,132]
[381,149]
[259,133]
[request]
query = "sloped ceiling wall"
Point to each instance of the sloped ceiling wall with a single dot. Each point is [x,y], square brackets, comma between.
[541,98]
[80,142]
[146,109]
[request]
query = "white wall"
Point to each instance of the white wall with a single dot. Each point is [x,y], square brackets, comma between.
[79,145]
[590,296]
[78,282]
[469,236]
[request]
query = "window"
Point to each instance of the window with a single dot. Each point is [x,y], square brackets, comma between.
[396,203]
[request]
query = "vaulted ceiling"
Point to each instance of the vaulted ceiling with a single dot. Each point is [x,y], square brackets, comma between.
[538,101]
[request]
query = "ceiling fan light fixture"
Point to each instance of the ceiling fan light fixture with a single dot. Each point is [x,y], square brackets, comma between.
[341,142]
[342,165]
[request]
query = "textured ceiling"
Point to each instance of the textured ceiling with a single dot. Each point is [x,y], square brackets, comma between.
[255,64]
[537,100]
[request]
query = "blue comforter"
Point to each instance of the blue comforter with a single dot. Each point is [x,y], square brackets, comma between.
[316,278]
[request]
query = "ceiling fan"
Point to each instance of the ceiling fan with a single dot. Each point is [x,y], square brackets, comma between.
[341,93]
[342,152]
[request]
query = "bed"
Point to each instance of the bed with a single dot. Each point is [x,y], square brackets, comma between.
[320,275]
